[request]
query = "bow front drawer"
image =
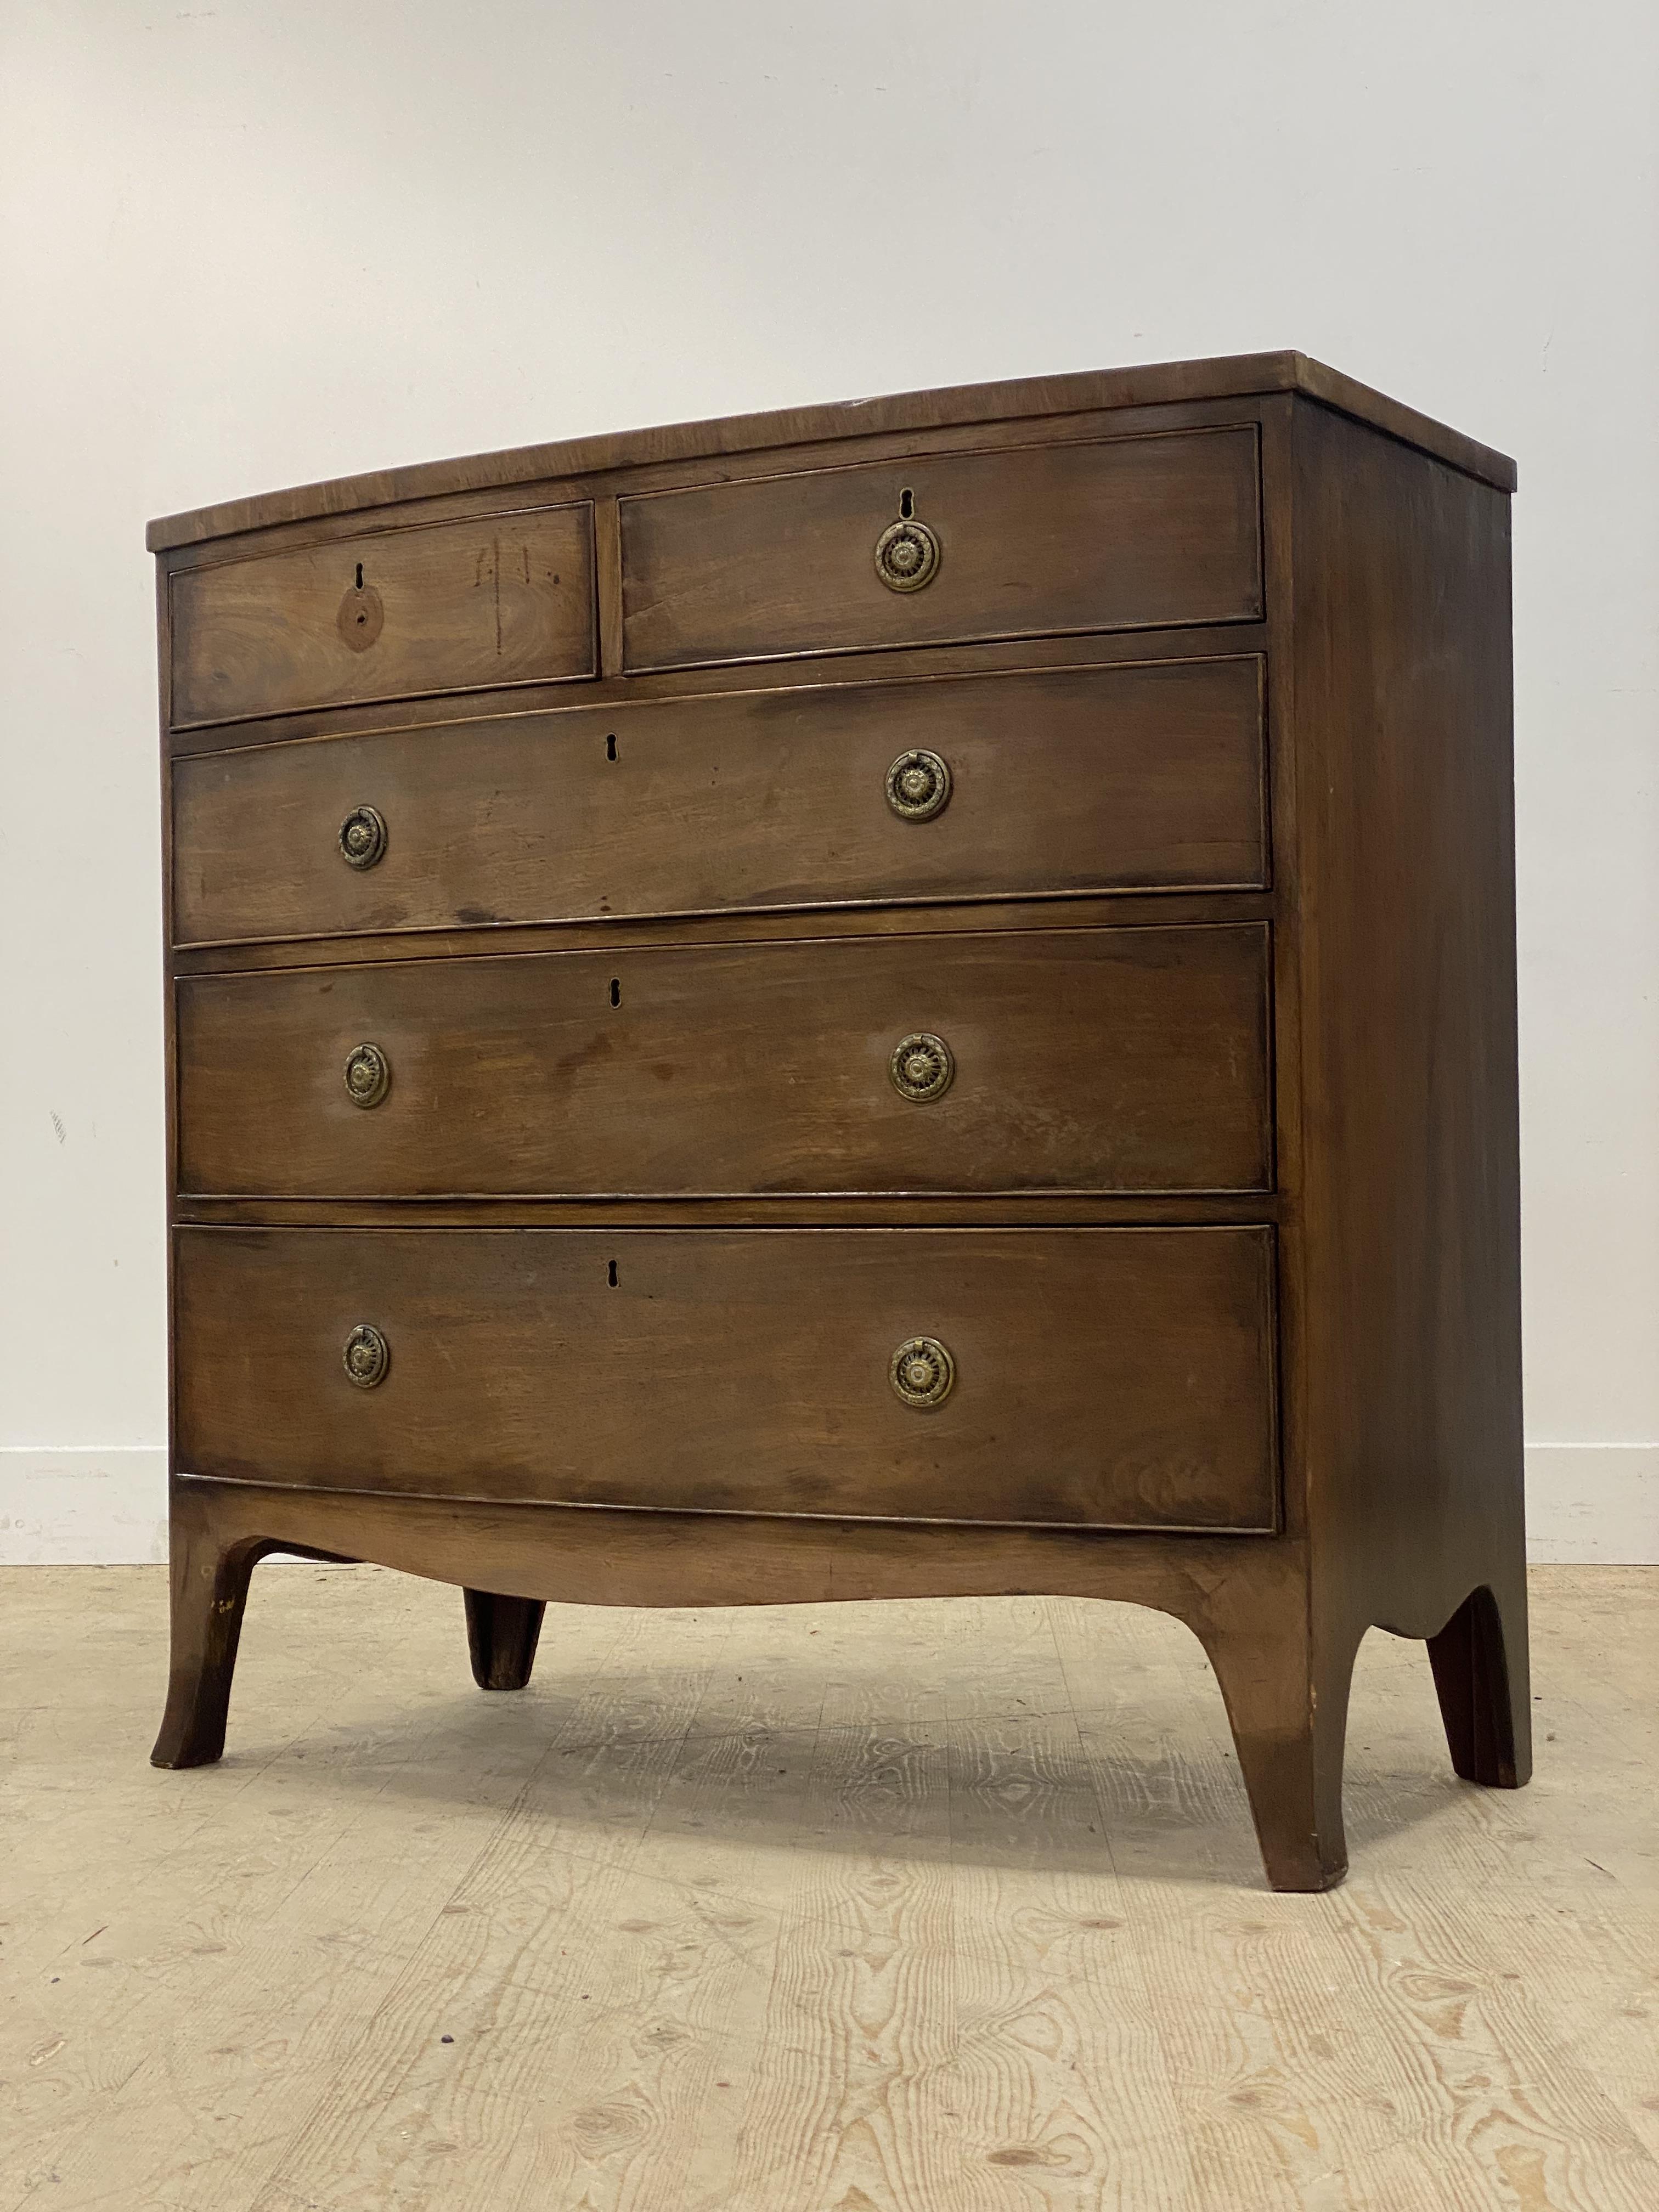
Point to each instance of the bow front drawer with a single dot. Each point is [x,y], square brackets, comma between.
[1024,1061]
[1147,776]
[1124,533]
[388,614]
[1105,1377]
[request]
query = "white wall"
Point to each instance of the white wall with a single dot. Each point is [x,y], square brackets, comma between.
[246,245]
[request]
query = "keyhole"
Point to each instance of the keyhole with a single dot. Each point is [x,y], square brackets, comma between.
[613,1275]
[610,749]
[907,509]
[615,990]
[360,575]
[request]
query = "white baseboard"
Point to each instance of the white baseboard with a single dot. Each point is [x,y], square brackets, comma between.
[72,1506]
[1592,1503]
[67,1506]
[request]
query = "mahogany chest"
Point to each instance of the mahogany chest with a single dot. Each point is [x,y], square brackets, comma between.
[898,999]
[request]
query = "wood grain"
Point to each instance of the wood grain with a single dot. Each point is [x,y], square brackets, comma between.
[1103,1376]
[506,598]
[1149,776]
[1129,533]
[1410,1377]
[1159,383]
[709,1401]
[835,673]
[597,1555]
[275,1948]
[1057,2081]
[616,1893]
[1100,910]
[407,2108]
[1086,1060]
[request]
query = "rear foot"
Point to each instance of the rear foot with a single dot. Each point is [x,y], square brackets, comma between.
[501,1633]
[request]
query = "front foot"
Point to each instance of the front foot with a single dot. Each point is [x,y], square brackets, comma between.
[210,1570]
[1288,1706]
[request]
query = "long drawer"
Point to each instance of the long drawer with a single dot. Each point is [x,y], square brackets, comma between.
[1057,780]
[387,614]
[1123,533]
[1100,1377]
[1017,1061]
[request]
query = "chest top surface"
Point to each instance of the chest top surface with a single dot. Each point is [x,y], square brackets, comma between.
[1007,405]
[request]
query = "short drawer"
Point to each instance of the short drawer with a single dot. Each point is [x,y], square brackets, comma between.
[1123,533]
[390,614]
[1099,1377]
[1066,1059]
[1147,776]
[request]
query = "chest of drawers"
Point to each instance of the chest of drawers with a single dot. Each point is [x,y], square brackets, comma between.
[906,999]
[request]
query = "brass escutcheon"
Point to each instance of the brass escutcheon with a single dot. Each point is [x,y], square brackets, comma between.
[363,837]
[366,1357]
[906,555]
[921,1067]
[367,1075]
[921,1371]
[919,786]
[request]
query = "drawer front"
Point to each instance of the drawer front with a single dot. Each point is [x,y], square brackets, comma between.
[1061,780]
[391,614]
[1125,533]
[1099,1377]
[1077,1059]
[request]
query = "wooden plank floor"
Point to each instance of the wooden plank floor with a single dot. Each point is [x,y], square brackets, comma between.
[946,1907]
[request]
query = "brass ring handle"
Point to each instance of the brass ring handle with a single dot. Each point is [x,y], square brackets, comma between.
[363,837]
[367,1075]
[921,1371]
[921,1067]
[906,555]
[919,786]
[366,1357]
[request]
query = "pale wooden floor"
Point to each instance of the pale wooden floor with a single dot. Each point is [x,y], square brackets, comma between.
[923,1908]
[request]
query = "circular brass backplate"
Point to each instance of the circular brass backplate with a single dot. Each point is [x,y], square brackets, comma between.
[921,1067]
[363,837]
[906,555]
[919,786]
[366,1357]
[367,1075]
[921,1371]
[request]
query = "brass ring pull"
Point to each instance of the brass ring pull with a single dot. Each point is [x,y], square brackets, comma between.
[363,837]
[921,1372]
[366,1357]
[906,555]
[367,1075]
[921,1067]
[919,786]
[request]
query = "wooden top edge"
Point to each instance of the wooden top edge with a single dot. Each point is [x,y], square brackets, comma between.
[1158,383]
